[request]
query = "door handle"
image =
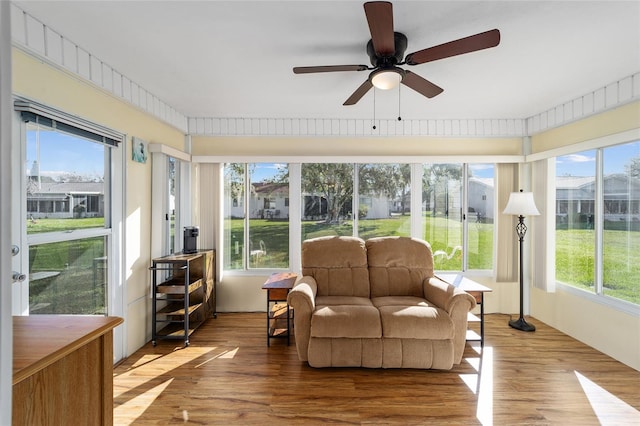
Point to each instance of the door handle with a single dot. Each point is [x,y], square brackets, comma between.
[15,250]
[17,276]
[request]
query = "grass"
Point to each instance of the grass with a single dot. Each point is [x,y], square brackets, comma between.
[38,226]
[575,261]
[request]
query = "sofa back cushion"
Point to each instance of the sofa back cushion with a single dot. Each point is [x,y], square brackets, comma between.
[398,266]
[338,264]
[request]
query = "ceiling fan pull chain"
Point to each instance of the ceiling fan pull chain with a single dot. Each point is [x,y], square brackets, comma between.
[374,108]
[399,115]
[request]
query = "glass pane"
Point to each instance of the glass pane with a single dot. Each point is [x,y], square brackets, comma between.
[621,248]
[269,216]
[327,200]
[384,206]
[442,214]
[65,181]
[480,217]
[234,216]
[68,277]
[575,234]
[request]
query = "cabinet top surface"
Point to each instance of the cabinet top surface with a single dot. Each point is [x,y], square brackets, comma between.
[280,280]
[40,340]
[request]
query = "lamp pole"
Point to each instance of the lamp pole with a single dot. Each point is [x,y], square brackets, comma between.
[520,323]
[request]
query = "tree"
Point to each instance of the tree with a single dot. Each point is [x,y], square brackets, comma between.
[333,182]
[392,180]
[633,167]
[435,180]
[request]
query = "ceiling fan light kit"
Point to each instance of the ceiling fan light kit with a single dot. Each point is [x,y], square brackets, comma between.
[386,79]
[386,51]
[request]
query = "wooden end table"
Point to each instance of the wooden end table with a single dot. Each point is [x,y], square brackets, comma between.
[279,314]
[476,290]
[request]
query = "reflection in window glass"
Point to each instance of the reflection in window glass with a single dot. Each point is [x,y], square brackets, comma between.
[327,199]
[621,233]
[442,214]
[480,216]
[269,216]
[575,234]
[68,277]
[65,182]
[384,207]
[234,179]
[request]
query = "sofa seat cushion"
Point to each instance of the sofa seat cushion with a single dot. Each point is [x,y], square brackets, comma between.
[407,317]
[350,321]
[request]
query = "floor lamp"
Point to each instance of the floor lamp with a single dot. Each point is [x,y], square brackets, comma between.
[521,204]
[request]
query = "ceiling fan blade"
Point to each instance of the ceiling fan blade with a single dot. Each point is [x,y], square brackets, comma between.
[469,44]
[421,85]
[329,68]
[359,93]
[380,19]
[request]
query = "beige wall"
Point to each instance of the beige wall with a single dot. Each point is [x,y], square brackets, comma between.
[328,146]
[606,329]
[46,84]
[617,120]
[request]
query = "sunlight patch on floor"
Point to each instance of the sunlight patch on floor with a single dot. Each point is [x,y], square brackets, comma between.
[224,355]
[150,367]
[128,412]
[608,408]
[484,412]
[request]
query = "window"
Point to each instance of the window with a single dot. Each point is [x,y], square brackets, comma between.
[481,215]
[597,221]
[384,196]
[621,222]
[258,236]
[327,194]
[442,213]
[68,225]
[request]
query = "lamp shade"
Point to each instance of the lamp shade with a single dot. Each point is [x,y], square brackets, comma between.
[521,204]
[386,79]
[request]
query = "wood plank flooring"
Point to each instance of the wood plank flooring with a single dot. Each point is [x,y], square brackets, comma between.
[228,375]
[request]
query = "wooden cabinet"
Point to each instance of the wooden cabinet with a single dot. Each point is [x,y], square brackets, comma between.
[184,294]
[63,370]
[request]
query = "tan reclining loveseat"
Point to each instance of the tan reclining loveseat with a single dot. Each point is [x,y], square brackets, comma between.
[376,304]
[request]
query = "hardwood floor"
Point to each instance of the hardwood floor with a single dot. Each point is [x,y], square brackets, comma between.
[228,375]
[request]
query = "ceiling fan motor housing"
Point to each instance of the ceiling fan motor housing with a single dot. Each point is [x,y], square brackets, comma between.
[400,42]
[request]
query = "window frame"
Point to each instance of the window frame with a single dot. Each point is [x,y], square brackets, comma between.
[623,137]
[295,197]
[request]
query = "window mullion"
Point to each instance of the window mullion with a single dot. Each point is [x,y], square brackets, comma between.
[599,224]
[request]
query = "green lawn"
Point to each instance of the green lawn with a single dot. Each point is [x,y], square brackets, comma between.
[575,264]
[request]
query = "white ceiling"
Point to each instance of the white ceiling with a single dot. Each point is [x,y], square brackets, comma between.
[235,58]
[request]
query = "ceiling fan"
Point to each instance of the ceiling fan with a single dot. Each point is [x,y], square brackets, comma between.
[386,50]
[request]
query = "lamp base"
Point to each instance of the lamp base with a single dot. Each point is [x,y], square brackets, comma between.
[521,324]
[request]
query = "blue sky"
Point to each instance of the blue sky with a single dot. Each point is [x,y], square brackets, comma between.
[62,153]
[584,163]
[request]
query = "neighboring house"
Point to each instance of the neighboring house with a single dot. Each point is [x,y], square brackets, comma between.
[268,201]
[575,196]
[481,201]
[63,200]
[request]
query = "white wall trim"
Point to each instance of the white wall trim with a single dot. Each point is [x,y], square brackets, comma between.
[170,151]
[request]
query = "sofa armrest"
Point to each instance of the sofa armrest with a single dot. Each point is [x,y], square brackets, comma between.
[447,296]
[457,303]
[302,298]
